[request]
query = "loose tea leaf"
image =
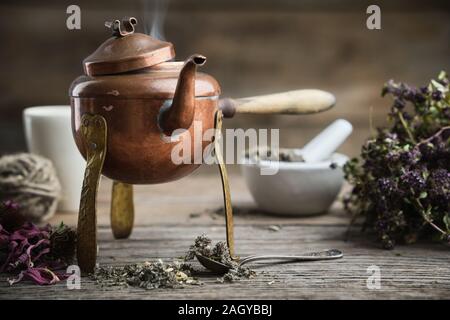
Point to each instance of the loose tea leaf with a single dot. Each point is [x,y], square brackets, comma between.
[147,275]
[219,252]
[401,184]
[179,274]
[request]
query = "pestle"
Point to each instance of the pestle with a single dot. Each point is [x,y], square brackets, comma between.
[326,142]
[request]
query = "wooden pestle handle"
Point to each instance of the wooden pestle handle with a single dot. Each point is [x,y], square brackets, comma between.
[291,102]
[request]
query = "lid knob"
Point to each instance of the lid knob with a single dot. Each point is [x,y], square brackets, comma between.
[127,50]
[122,28]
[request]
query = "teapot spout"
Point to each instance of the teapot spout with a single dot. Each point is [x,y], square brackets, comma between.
[181,113]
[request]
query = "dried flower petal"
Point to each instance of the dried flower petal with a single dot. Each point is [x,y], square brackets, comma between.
[29,253]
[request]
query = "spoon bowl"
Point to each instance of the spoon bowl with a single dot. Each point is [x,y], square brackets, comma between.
[212,265]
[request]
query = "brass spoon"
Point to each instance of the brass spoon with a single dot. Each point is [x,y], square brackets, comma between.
[221,268]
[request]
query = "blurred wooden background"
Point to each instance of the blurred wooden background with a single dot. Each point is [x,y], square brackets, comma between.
[253,47]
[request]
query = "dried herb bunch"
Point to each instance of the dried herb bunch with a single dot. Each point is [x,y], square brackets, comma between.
[401,184]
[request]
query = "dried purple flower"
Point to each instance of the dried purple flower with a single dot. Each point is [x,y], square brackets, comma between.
[31,252]
[387,186]
[437,96]
[413,180]
[402,181]
[399,103]
[424,90]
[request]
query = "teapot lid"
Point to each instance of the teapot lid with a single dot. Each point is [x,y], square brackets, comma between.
[127,51]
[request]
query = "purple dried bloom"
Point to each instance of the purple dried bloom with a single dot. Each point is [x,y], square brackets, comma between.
[439,186]
[24,246]
[410,94]
[410,157]
[392,156]
[424,90]
[407,116]
[27,252]
[41,276]
[399,103]
[419,97]
[387,186]
[441,177]
[437,96]
[414,180]
[403,181]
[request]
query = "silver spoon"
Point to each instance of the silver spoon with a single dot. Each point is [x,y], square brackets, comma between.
[221,268]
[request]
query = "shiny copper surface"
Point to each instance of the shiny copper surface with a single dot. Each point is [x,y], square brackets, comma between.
[133,52]
[157,82]
[137,152]
[180,114]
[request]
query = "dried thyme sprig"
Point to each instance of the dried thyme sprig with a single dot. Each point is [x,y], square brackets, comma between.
[401,185]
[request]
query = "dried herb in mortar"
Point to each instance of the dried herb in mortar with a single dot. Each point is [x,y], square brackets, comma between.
[282,154]
[401,184]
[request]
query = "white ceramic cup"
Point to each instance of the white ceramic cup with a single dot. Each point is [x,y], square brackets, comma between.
[48,133]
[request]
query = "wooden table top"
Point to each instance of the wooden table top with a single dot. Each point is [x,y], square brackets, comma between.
[169,216]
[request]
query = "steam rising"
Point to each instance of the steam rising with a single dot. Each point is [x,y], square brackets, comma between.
[154,15]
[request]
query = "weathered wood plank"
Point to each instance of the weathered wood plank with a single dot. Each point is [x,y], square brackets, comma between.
[170,216]
[419,271]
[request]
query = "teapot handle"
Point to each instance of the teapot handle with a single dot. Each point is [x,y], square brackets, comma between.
[305,101]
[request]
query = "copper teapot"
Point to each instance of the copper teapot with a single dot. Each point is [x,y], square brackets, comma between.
[131,97]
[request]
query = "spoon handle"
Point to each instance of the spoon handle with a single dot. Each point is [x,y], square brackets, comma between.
[310,256]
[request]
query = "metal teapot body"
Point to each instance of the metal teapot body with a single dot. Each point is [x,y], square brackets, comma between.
[143,104]
[139,148]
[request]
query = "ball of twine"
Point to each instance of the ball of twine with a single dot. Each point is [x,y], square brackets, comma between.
[31,181]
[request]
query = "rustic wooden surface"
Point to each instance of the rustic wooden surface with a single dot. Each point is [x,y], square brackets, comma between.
[170,216]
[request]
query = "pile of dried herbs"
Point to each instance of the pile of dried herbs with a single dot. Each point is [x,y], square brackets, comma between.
[39,254]
[219,252]
[401,184]
[179,274]
[147,275]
